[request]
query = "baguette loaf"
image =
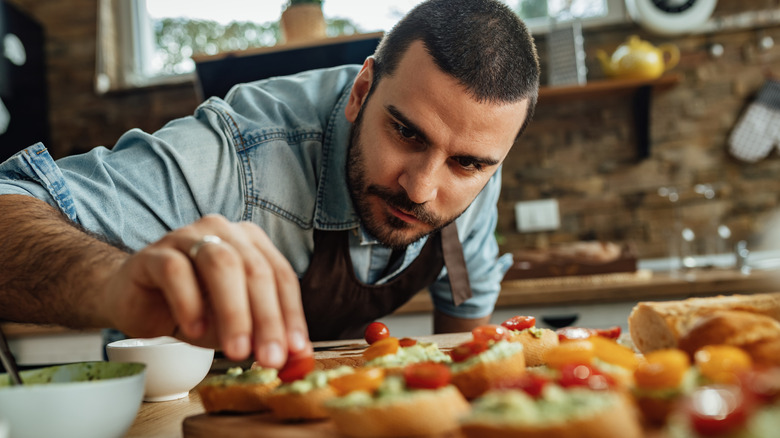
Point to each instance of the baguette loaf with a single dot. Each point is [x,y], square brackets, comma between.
[657,325]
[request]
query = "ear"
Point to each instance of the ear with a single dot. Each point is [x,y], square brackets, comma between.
[360,89]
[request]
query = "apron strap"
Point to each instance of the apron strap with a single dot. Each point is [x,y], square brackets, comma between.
[456,264]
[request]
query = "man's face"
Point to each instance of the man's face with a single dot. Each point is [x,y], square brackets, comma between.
[421,148]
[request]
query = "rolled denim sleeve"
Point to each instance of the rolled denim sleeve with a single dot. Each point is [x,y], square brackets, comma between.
[476,229]
[145,186]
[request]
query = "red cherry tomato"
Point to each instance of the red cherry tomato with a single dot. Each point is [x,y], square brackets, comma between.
[407,342]
[296,368]
[468,349]
[426,375]
[584,375]
[716,410]
[568,333]
[519,322]
[531,383]
[611,333]
[762,384]
[490,332]
[376,331]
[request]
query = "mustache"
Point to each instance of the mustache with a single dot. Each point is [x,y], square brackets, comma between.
[400,201]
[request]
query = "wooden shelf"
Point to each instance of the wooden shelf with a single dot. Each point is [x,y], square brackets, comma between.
[640,91]
[604,88]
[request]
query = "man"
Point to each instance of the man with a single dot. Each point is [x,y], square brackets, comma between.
[299,207]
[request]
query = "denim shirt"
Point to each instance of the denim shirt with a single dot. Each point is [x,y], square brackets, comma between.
[273,152]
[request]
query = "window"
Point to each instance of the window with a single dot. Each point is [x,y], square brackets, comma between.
[145,42]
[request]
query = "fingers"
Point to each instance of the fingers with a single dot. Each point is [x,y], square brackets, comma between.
[275,301]
[250,289]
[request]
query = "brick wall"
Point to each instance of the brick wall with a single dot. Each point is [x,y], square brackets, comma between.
[581,152]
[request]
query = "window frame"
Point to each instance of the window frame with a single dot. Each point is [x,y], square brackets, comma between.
[132,39]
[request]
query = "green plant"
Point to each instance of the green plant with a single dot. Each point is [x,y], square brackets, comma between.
[304,2]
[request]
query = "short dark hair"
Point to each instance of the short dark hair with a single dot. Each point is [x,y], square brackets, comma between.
[481,43]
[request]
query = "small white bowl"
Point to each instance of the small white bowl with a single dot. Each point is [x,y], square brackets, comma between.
[78,400]
[174,367]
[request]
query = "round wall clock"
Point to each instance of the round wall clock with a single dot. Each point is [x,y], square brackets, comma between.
[670,17]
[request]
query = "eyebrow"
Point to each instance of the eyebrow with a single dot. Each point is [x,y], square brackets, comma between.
[397,114]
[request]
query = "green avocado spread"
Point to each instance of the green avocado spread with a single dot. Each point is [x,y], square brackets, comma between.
[497,351]
[555,405]
[314,380]
[420,352]
[237,376]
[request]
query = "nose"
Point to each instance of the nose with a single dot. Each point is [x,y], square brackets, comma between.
[420,182]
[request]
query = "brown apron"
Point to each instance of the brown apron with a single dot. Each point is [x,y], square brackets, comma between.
[338,306]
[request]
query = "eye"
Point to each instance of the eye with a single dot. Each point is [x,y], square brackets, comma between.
[468,163]
[404,132]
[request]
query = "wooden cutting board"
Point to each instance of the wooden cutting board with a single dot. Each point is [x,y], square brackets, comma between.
[329,354]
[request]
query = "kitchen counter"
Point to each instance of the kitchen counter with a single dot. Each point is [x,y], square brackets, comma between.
[644,285]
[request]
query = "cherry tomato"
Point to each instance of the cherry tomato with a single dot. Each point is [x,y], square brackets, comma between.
[610,351]
[584,375]
[722,363]
[610,333]
[468,349]
[490,332]
[584,333]
[363,379]
[376,331]
[531,383]
[762,384]
[716,410]
[662,369]
[382,347]
[570,352]
[407,342]
[426,375]
[296,368]
[519,322]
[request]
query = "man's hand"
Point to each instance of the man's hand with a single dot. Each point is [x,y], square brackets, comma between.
[239,293]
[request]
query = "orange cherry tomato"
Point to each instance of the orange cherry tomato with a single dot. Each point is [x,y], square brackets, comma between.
[519,322]
[570,352]
[382,347]
[376,331]
[722,363]
[296,368]
[426,375]
[363,379]
[662,369]
[610,351]
[468,349]
[490,332]
[407,342]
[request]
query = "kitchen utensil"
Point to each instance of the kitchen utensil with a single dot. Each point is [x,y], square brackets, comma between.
[9,363]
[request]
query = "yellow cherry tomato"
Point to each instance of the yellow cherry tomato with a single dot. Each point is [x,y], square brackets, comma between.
[610,351]
[382,347]
[722,363]
[662,369]
[363,379]
[578,351]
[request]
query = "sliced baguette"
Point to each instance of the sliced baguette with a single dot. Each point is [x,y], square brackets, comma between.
[292,406]
[657,325]
[476,380]
[424,413]
[534,348]
[620,420]
[236,397]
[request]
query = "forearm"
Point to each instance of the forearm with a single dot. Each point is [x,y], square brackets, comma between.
[51,272]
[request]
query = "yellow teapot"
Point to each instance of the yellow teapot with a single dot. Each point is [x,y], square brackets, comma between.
[638,59]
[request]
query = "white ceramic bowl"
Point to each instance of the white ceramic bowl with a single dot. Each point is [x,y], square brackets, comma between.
[173,368]
[79,400]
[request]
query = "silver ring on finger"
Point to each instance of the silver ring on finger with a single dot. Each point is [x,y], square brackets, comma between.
[208,238]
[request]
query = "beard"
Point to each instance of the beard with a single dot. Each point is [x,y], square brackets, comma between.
[386,228]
